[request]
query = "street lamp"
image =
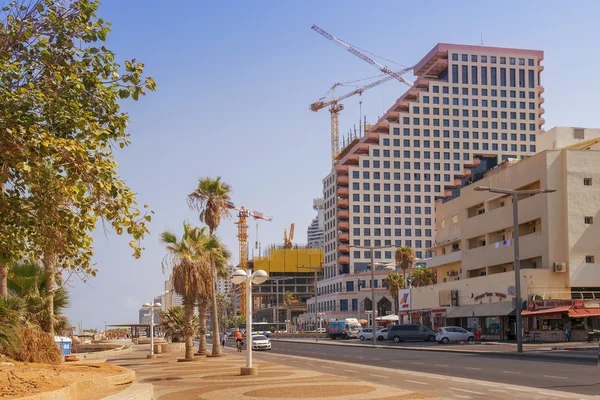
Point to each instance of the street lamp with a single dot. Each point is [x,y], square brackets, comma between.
[517,262]
[148,306]
[371,248]
[240,276]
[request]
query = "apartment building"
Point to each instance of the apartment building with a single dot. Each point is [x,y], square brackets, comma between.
[558,240]
[470,108]
[224,285]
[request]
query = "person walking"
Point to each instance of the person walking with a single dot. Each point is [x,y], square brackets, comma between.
[223,339]
[568,330]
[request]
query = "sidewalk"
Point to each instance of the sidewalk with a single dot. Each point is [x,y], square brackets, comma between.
[219,378]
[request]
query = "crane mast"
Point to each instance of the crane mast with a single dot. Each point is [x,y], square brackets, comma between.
[243,214]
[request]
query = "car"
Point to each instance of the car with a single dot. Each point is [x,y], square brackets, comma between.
[448,334]
[381,334]
[365,334]
[400,333]
[261,342]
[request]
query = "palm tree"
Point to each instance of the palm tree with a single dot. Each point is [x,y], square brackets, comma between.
[394,283]
[210,199]
[29,281]
[288,299]
[12,317]
[405,257]
[422,276]
[173,324]
[187,264]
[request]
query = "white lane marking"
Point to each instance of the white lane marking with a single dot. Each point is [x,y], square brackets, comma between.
[473,368]
[417,382]
[511,372]
[466,391]
[441,365]
[351,371]
[376,359]
[498,390]
[377,376]
[413,362]
[325,366]
[552,394]
[553,376]
[359,357]
[309,364]
[462,397]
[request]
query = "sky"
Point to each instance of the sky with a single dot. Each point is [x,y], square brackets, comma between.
[235,81]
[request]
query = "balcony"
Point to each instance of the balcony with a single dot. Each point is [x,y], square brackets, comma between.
[443,195]
[453,184]
[343,226]
[343,248]
[342,180]
[542,121]
[343,192]
[383,126]
[343,203]
[342,169]
[344,260]
[541,110]
[530,246]
[541,100]
[344,237]
[372,137]
[343,214]
[540,68]
[439,261]
[473,163]
[393,116]
[352,159]
[362,148]
[540,89]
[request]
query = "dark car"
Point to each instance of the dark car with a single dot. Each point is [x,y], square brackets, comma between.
[400,333]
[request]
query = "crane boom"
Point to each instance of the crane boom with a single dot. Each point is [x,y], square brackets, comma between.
[316,106]
[361,55]
[247,212]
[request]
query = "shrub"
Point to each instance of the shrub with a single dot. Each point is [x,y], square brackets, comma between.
[37,347]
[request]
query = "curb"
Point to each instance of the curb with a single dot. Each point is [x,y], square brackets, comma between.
[137,391]
[486,353]
[102,354]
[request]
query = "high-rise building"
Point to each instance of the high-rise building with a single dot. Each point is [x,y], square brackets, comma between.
[316,231]
[170,298]
[470,108]
[224,284]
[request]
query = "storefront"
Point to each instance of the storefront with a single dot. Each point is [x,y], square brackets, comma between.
[489,321]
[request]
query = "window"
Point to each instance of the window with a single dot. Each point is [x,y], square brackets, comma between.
[588,220]
[493,77]
[465,74]
[503,77]
[589,259]
[454,73]
[587,181]
[474,74]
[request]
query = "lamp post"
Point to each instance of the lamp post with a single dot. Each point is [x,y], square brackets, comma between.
[371,248]
[517,262]
[151,307]
[240,276]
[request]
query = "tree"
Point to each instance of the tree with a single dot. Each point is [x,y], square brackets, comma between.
[422,276]
[288,300]
[210,200]
[394,283]
[29,281]
[12,317]
[173,324]
[61,121]
[405,257]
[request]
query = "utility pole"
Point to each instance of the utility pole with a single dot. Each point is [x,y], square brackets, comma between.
[315,270]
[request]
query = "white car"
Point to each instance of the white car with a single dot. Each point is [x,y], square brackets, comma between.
[261,342]
[381,334]
[365,334]
[453,334]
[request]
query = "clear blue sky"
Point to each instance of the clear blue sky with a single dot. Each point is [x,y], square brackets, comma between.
[235,79]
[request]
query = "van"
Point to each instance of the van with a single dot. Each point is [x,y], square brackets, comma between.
[400,333]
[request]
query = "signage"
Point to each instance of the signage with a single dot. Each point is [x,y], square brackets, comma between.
[578,304]
[404,299]
[544,304]
[489,294]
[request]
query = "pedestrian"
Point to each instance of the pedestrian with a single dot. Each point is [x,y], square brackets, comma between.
[568,330]
[223,339]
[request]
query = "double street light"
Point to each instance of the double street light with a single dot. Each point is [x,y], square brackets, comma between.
[517,262]
[240,276]
[151,307]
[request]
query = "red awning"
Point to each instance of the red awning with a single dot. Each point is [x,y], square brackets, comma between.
[584,312]
[555,310]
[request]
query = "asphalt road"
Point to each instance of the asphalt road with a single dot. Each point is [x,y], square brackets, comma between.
[445,373]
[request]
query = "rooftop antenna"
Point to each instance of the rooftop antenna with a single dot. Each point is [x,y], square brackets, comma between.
[481,38]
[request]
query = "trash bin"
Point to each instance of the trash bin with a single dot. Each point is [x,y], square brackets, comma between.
[64,343]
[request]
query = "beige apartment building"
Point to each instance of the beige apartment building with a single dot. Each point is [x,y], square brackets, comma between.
[559,244]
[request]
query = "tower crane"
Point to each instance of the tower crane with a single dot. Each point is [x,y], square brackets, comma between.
[334,104]
[287,241]
[244,213]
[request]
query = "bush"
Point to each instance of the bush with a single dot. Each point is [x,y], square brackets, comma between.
[36,346]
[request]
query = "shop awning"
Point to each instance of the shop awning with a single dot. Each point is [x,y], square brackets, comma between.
[555,310]
[387,318]
[482,310]
[584,312]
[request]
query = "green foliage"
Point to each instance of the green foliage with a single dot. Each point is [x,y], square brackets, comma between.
[12,317]
[394,283]
[60,123]
[422,276]
[405,257]
[173,324]
[28,282]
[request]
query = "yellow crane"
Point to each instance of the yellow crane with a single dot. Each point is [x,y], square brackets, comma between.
[287,241]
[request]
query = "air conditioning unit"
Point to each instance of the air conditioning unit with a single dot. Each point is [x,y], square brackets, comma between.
[560,267]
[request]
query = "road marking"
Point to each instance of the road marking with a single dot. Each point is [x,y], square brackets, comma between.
[511,372]
[325,366]
[553,376]
[377,376]
[310,364]
[359,357]
[376,359]
[466,391]
[473,368]
[441,365]
[462,397]
[413,362]
[351,371]
[417,382]
[552,394]
[498,390]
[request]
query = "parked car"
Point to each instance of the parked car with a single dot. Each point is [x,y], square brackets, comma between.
[261,342]
[453,334]
[365,334]
[400,333]
[382,334]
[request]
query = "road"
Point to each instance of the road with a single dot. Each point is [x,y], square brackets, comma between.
[450,374]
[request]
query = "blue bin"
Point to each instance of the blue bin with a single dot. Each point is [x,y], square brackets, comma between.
[64,343]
